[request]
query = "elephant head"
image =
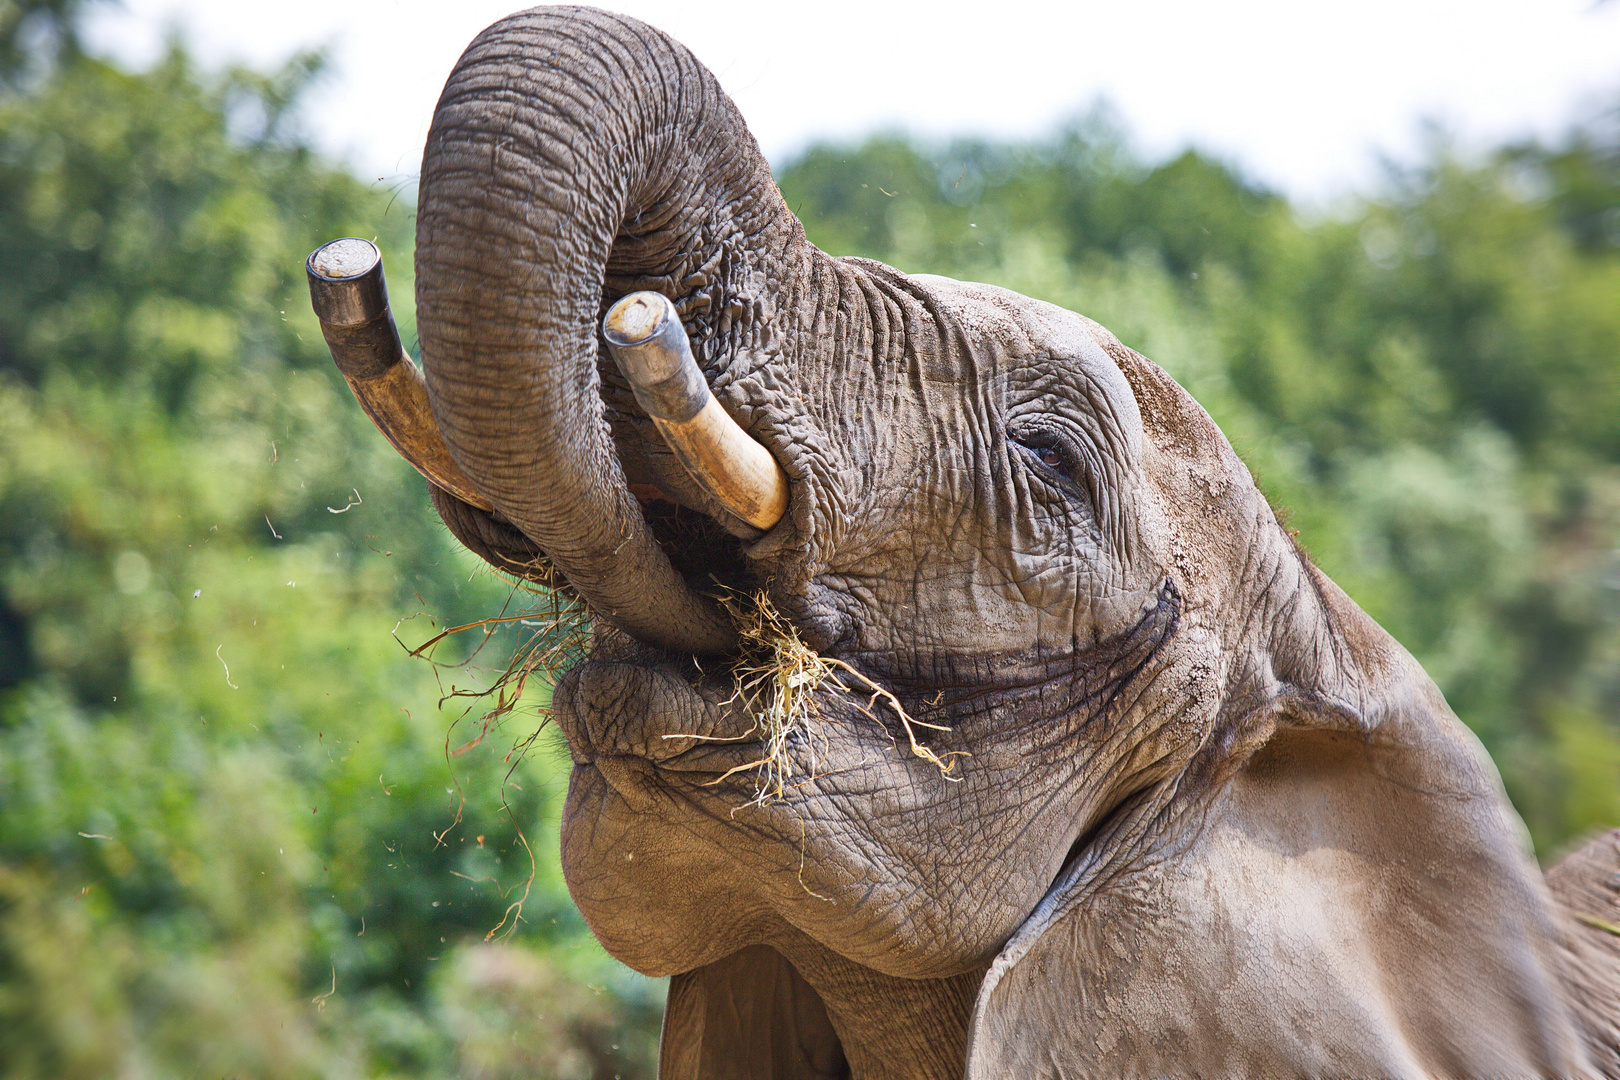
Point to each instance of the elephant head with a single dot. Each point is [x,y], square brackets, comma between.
[1104,778]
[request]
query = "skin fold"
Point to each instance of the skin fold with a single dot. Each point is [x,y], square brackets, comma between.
[1207,819]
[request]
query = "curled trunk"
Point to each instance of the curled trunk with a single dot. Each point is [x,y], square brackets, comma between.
[574,156]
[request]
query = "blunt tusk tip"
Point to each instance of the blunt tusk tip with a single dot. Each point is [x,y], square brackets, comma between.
[637,317]
[339,260]
[645,336]
[346,282]
[350,297]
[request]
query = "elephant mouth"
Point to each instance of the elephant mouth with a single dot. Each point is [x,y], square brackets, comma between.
[634,714]
[707,557]
[666,785]
[689,715]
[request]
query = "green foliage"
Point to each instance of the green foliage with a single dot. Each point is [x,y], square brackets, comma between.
[233,837]
[1427,382]
[36,33]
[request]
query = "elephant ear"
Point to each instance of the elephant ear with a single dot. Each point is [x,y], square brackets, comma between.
[1353,898]
[747,1016]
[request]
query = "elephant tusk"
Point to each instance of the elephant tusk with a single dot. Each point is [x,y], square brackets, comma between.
[645,336]
[350,297]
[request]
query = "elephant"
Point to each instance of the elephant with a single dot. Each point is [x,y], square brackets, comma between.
[1108,780]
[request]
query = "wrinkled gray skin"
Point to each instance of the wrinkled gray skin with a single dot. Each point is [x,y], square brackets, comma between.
[1215,822]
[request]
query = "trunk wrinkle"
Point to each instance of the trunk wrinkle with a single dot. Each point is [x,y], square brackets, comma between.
[576,155]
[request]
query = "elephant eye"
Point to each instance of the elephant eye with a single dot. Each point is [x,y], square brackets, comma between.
[1052,449]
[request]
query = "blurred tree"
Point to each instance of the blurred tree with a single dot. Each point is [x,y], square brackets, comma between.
[233,836]
[37,34]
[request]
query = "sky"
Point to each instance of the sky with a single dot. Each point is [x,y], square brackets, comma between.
[1303,96]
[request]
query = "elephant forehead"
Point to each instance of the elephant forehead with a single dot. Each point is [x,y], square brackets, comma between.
[1033,349]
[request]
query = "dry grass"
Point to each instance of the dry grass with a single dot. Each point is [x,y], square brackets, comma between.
[559,626]
[778,680]
[559,635]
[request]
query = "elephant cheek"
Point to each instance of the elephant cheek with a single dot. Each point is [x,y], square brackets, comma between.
[646,888]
